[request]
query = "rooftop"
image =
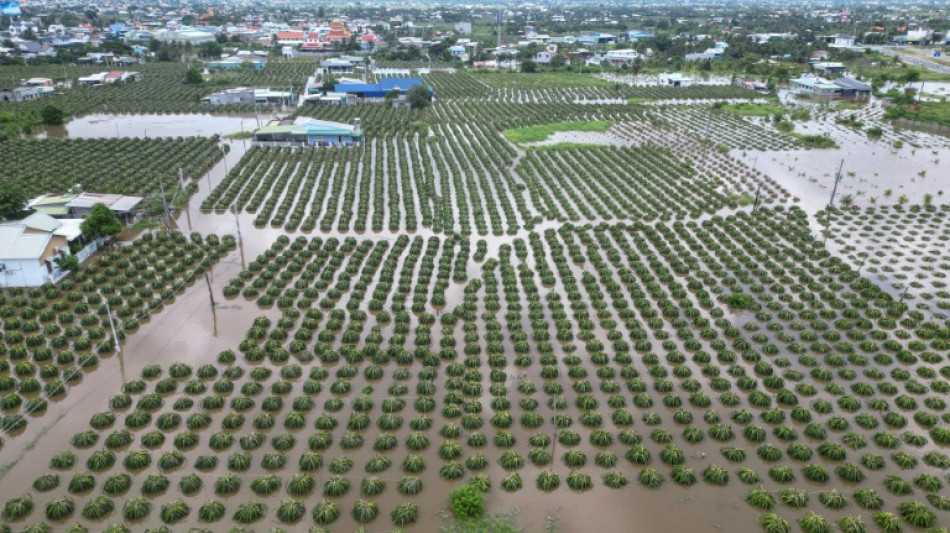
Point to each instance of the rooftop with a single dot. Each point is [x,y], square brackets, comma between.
[309,126]
[852,84]
[15,244]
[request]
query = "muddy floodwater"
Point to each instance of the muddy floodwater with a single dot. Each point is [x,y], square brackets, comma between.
[198,125]
[197,326]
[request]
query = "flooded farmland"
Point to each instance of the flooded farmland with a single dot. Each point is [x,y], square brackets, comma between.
[614,317]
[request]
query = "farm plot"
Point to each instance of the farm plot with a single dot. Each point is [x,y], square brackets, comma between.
[726,172]
[902,248]
[507,115]
[457,181]
[53,336]
[601,358]
[123,166]
[549,88]
[381,121]
[606,183]
[279,74]
[161,89]
[470,187]
[725,129]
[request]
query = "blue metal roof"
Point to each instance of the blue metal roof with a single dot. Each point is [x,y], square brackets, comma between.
[384,86]
[387,84]
[355,87]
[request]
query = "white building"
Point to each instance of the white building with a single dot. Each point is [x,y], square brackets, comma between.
[459,52]
[615,57]
[675,80]
[29,249]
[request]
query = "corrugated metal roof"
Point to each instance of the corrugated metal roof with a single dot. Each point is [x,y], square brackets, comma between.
[53,211]
[126,203]
[14,244]
[387,84]
[71,228]
[852,84]
[51,199]
[88,199]
[40,221]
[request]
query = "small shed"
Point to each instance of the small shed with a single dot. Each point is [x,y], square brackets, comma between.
[852,88]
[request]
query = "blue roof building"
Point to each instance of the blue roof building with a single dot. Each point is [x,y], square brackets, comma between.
[378,90]
[633,35]
[594,39]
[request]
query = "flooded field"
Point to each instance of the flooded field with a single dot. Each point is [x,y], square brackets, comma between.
[608,338]
[97,126]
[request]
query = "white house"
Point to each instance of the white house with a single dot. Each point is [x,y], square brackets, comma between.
[459,52]
[617,57]
[839,41]
[544,57]
[29,248]
[676,80]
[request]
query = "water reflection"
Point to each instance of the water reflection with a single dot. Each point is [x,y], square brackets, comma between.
[111,126]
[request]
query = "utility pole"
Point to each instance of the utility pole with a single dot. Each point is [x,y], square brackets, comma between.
[161,184]
[237,224]
[115,336]
[224,159]
[181,184]
[758,191]
[208,175]
[838,178]
[214,314]
[499,17]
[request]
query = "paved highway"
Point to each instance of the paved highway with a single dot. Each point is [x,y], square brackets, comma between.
[914,60]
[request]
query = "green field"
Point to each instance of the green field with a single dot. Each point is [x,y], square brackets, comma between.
[542,131]
[753,110]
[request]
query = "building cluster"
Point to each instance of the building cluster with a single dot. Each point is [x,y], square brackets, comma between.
[31,248]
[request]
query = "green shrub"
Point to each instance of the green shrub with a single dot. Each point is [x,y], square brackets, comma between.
[467,502]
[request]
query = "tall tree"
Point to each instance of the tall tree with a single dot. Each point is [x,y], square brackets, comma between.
[419,96]
[52,115]
[102,222]
[193,76]
[12,200]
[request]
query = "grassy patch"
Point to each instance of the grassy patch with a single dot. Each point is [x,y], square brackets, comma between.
[564,146]
[240,135]
[494,523]
[932,112]
[815,141]
[543,131]
[881,68]
[146,224]
[753,110]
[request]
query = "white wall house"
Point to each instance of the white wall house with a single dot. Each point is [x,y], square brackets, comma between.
[29,247]
[621,57]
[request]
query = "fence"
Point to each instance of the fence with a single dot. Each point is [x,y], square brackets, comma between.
[90,249]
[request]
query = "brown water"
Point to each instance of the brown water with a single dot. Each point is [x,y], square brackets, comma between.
[102,125]
[188,331]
